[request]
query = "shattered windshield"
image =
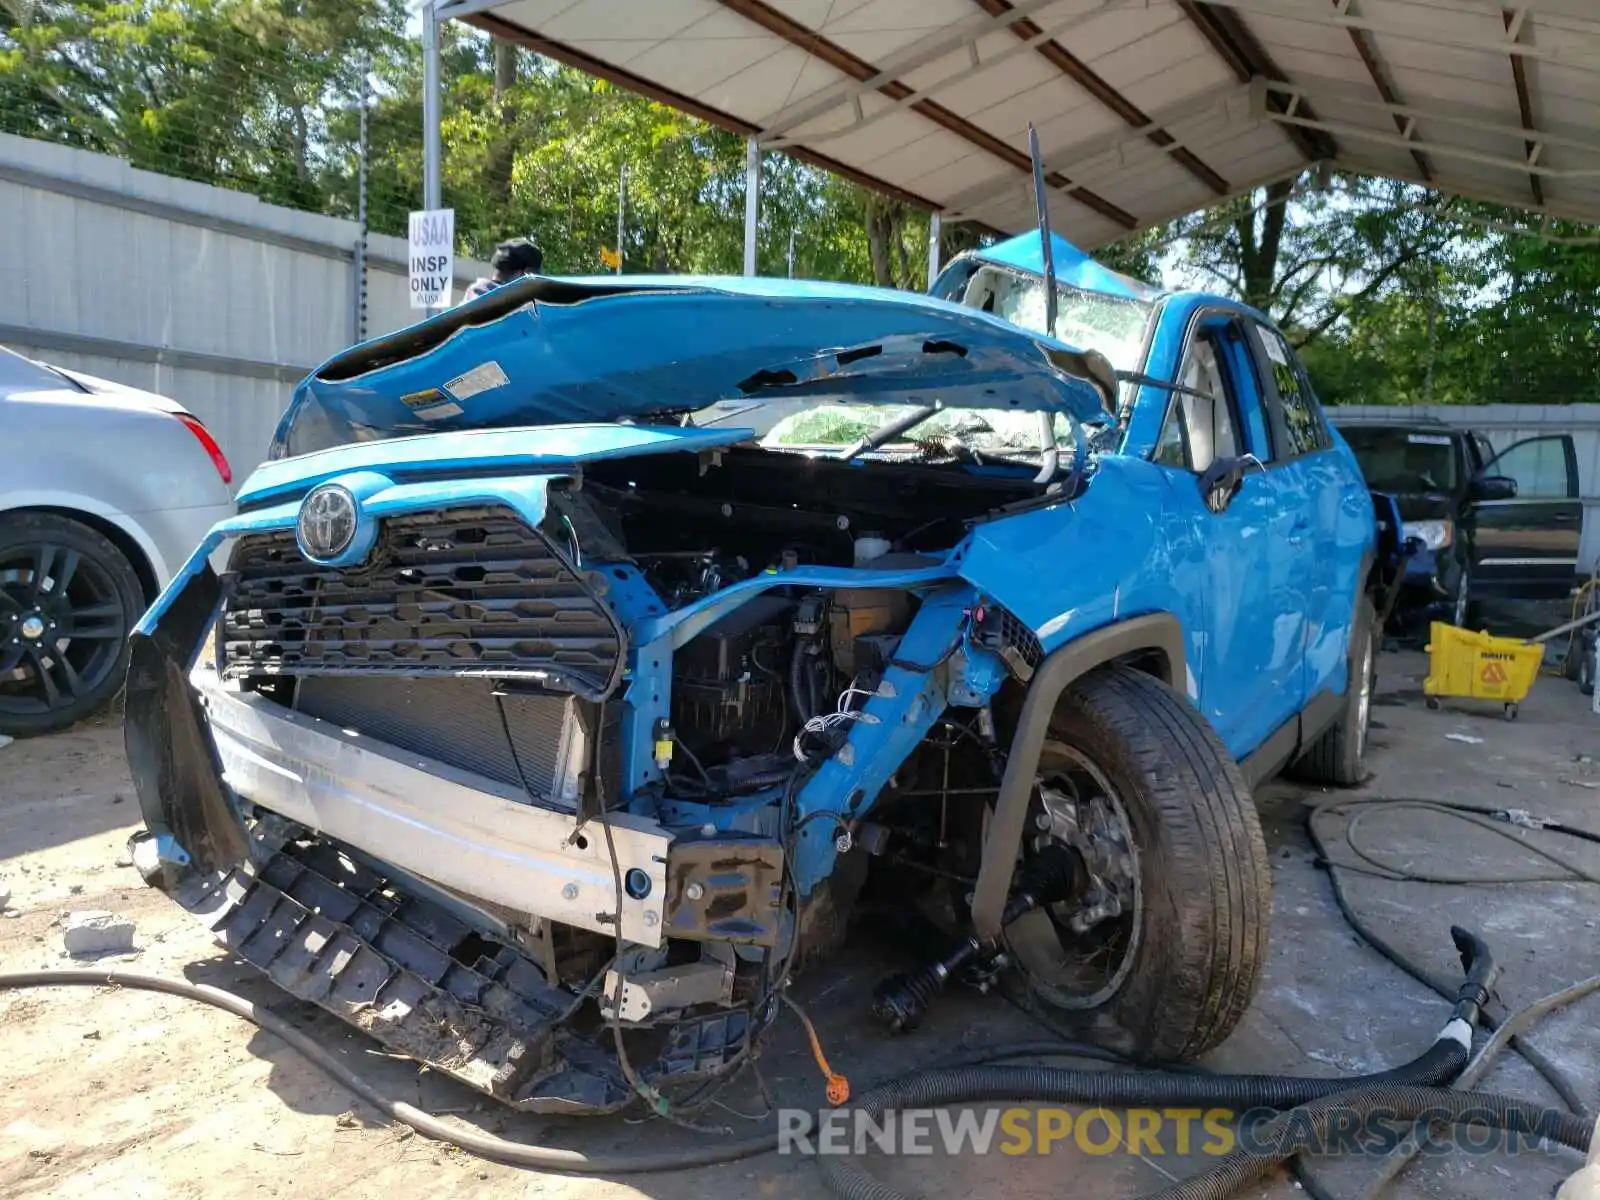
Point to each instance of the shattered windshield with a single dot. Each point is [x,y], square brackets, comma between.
[1113,325]
[1004,432]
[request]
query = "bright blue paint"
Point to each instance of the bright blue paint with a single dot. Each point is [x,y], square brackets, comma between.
[649,689]
[906,706]
[663,345]
[1263,592]
[480,452]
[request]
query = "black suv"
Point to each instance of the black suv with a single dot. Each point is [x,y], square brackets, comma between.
[1503,525]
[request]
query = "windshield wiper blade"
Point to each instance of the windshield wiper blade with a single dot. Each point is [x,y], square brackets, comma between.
[887,433]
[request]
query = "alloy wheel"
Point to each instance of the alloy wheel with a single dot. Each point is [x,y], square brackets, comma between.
[61,627]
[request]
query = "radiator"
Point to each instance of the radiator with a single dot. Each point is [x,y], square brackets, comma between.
[456,720]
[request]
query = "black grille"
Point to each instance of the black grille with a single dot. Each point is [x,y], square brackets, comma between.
[463,591]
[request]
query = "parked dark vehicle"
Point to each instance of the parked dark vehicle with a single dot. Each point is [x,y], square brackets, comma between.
[1486,524]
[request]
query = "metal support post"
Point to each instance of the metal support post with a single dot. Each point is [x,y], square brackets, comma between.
[752,203]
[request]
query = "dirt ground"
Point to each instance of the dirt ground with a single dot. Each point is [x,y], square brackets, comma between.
[132,1095]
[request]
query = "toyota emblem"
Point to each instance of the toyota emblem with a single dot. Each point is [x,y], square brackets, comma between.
[327,522]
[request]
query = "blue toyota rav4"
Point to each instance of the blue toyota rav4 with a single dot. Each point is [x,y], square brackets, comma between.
[588,655]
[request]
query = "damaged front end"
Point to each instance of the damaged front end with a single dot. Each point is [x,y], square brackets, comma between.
[505,744]
[377,786]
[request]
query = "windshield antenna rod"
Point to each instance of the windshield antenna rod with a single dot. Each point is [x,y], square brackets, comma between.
[1046,249]
[1049,455]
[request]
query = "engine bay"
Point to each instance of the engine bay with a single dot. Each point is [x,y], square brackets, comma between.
[764,686]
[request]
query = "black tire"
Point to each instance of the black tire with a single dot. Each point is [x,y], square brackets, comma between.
[1586,672]
[1198,935]
[1338,757]
[79,591]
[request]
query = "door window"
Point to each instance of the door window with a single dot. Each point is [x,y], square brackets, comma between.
[1542,468]
[1202,423]
[1304,429]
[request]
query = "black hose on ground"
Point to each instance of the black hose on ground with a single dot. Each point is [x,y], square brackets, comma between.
[971,1081]
[1397,1159]
[1496,821]
[1288,1132]
[484,1145]
[1442,1061]
[847,1179]
[1490,1018]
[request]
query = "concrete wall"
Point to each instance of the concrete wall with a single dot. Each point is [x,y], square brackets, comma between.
[1504,424]
[203,294]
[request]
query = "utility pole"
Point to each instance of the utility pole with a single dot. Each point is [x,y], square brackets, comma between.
[791,253]
[432,189]
[360,314]
[431,185]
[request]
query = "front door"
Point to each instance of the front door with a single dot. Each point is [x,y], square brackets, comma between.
[1527,548]
[1257,548]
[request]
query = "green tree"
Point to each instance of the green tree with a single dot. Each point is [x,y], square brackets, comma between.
[230,92]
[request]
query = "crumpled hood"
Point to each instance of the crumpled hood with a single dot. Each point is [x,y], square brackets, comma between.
[559,351]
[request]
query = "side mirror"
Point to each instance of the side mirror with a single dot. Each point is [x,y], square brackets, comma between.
[1493,487]
[1220,483]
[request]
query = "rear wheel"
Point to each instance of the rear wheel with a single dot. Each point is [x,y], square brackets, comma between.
[1339,755]
[68,598]
[1586,672]
[1162,954]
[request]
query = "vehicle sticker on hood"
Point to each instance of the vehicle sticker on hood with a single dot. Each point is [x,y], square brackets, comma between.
[431,405]
[481,378]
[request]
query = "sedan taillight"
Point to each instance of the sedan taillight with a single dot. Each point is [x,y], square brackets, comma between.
[218,458]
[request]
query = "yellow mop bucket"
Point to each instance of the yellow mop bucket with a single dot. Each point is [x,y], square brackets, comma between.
[1479,666]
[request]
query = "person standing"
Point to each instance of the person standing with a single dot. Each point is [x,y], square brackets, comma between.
[512,259]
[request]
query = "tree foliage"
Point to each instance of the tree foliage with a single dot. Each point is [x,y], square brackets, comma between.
[1397,294]
[264,96]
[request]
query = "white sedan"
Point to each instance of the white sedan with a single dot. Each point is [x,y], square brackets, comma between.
[105,491]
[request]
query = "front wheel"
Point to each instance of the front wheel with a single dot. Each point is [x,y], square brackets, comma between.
[1161,955]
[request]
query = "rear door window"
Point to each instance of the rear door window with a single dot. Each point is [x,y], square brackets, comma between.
[1303,429]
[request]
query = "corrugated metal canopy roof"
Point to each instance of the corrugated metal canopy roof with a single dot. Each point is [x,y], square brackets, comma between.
[1146,109]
